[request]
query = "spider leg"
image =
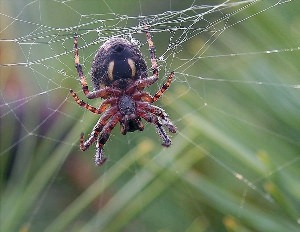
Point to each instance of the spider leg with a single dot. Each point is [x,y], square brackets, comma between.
[154,67]
[104,105]
[144,96]
[104,93]
[142,83]
[78,66]
[151,118]
[160,113]
[84,145]
[145,82]
[99,156]
[163,88]
[162,133]
[152,52]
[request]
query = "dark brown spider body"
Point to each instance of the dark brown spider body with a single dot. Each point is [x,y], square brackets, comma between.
[119,76]
[117,59]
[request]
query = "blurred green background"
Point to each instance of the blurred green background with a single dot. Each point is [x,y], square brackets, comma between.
[234,163]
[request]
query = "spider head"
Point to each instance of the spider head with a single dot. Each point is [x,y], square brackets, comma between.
[118,62]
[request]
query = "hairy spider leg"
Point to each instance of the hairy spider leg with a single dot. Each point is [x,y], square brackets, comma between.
[105,133]
[162,133]
[84,145]
[165,86]
[104,105]
[143,99]
[140,84]
[160,113]
[78,66]
[152,52]
[143,83]
[104,92]
[151,118]
[99,156]
[142,96]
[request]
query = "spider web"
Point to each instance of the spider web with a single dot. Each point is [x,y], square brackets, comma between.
[236,78]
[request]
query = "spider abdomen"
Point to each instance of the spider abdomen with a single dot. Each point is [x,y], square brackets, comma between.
[117,62]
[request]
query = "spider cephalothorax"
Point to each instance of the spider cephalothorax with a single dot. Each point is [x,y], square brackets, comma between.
[119,76]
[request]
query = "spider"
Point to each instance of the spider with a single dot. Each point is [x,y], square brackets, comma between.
[119,77]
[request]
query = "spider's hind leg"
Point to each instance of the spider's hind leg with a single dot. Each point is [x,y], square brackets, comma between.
[152,51]
[154,66]
[78,66]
